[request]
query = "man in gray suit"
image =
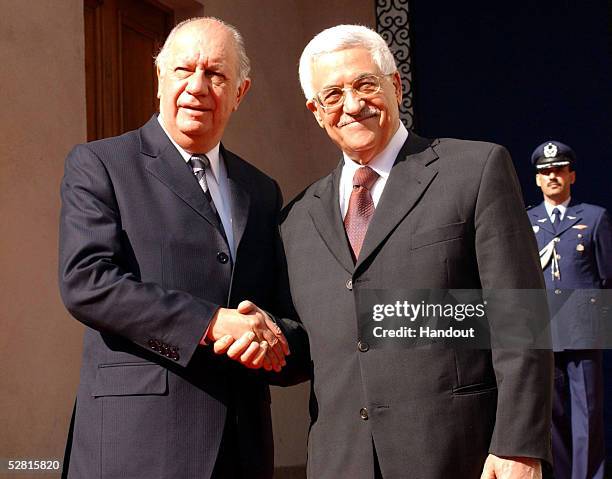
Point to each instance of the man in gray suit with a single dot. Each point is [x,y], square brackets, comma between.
[163,232]
[404,212]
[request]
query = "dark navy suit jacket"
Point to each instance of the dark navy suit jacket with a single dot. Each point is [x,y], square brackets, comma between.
[144,266]
[584,249]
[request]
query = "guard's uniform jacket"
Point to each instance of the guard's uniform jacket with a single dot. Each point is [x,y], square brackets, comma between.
[576,258]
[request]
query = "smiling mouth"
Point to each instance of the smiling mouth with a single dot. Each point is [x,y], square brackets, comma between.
[194,108]
[356,119]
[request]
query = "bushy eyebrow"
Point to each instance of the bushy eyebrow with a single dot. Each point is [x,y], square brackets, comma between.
[358,77]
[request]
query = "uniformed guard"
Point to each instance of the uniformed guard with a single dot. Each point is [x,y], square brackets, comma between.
[575,241]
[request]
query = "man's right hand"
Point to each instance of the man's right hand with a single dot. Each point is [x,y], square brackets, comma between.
[266,346]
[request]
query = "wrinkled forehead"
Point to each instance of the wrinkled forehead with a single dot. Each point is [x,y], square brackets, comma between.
[346,65]
[210,43]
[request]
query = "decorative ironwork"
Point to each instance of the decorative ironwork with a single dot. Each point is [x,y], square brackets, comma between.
[393,24]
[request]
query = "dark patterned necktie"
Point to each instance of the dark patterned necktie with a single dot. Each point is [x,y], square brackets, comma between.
[360,208]
[198,164]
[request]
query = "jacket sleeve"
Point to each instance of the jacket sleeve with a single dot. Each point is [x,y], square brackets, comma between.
[299,366]
[98,284]
[507,257]
[603,250]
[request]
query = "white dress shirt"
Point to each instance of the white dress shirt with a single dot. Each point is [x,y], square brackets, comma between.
[216,179]
[381,164]
[562,208]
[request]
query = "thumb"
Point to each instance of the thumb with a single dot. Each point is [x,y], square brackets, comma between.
[246,307]
[488,471]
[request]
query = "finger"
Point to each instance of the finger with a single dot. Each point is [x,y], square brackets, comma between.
[275,360]
[276,347]
[246,307]
[221,345]
[279,334]
[276,366]
[273,334]
[241,345]
[258,360]
[251,351]
[266,363]
[281,337]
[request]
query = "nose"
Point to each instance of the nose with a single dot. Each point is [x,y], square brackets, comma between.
[197,84]
[352,103]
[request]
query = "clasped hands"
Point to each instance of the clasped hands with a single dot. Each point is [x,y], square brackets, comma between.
[248,335]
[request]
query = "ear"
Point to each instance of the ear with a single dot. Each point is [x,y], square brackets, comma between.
[572,177]
[242,90]
[159,80]
[397,83]
[312,106]
[538,180]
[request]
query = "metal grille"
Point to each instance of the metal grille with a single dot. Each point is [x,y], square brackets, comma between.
[393,24]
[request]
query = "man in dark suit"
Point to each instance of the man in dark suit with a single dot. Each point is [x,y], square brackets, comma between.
[402,212]
[163,230]
[575,241]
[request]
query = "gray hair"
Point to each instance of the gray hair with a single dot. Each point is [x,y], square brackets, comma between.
[244,64]
[342,37]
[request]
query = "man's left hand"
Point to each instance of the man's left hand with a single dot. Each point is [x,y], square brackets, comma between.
[511,468]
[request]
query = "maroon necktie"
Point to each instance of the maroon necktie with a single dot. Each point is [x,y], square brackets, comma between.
[360,208]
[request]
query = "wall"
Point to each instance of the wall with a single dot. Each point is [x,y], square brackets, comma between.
[43,115]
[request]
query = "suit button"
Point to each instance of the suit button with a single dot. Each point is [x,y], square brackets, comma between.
[593,300]
[349,284]
[363,346]
[557,291]
[363,413]
[556,240]
[222,257]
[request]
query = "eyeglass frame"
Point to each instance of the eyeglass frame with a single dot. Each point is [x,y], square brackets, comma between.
[352,89]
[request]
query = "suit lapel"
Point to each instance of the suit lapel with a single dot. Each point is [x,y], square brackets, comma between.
[326,216]
[573,214]
[239,194]
[409,178]
[541,218]
[169,167]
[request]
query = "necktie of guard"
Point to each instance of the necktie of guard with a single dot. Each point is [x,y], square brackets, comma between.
[556,218]
[360,208]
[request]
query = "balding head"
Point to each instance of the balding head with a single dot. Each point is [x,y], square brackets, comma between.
[244,64]
[200,71]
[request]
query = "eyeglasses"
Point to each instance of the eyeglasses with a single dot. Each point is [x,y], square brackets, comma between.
[365,86]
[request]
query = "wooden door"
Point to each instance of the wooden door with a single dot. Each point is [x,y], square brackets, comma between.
[121,39]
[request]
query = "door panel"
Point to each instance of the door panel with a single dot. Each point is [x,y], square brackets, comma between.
[121,39]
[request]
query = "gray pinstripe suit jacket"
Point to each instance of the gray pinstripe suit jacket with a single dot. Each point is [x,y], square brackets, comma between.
[451,217]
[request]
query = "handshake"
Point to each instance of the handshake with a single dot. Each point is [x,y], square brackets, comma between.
[248,335]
